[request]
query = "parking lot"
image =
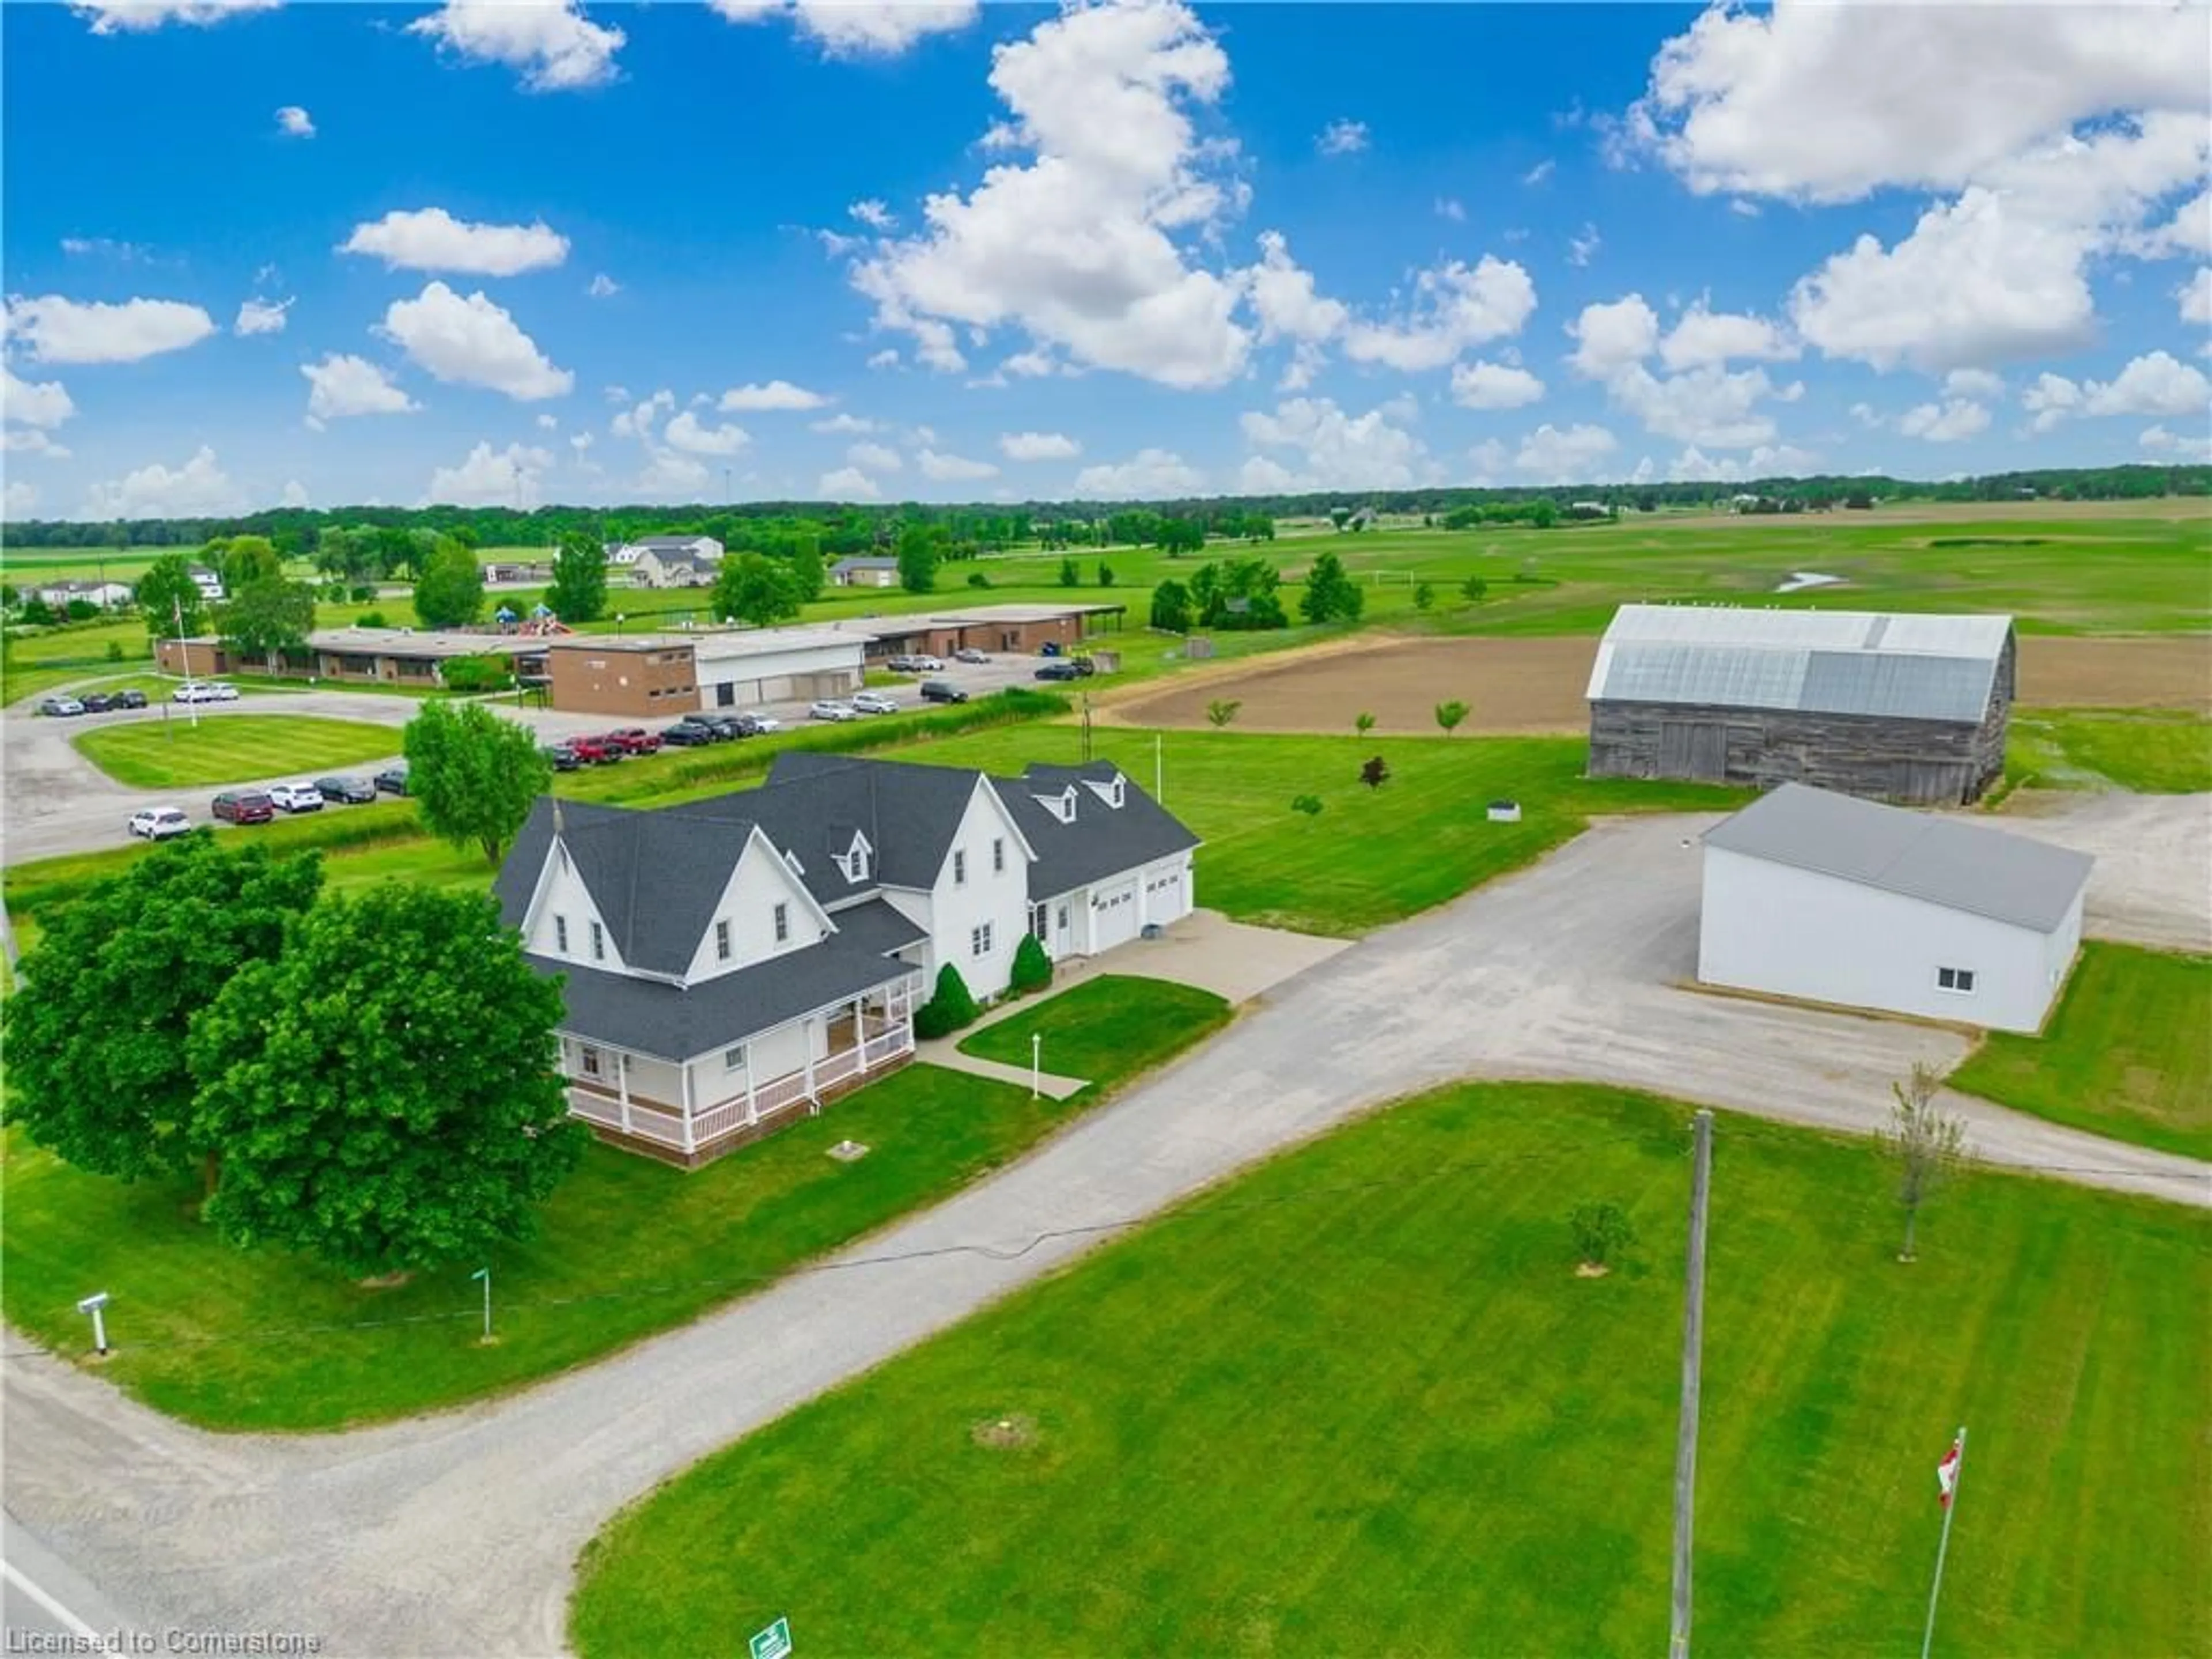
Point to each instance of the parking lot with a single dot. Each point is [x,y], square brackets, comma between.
[56,802]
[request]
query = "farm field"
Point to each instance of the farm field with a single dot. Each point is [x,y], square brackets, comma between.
[1358,1400]
[1538,684]
[2127,1053]
[176,754]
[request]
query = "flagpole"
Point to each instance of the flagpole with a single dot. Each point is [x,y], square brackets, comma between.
[1950,1509]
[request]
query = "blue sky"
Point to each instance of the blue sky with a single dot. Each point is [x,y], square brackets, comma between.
[501,251]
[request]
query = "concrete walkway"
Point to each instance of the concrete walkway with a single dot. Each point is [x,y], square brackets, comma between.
[457,1535]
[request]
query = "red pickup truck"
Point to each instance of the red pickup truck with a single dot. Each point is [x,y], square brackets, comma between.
[634,740]
[594,751]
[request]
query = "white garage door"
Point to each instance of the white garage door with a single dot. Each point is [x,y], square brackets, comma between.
[1167,896]
[1114,918]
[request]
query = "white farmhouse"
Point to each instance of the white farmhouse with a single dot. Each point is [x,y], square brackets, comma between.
[730,962]
[1834,899]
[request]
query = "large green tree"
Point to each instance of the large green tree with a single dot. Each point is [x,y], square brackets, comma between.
[920,548]
[1171,607]
[96,1030]
[449,586]
[805,566]
[579,580]
[383,1090]
[473,773]
[167,596]
[1331,595]
[265,617]
[245,560]
[755,588]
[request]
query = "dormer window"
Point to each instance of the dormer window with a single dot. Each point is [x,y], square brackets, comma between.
[1110,792]
[854,864]
[1061,805]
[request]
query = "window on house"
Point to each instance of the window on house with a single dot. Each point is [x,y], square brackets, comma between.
[959,868]
[1955,979]
[721,941]
[1063,919]
[598,943]
[587,1058]
[979,940]
[856,867]
[998,856]
[782,924]
[734,1060]
[561,934]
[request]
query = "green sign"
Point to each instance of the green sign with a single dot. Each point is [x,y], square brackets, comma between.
[775,1642]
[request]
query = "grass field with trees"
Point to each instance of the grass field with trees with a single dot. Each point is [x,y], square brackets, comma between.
[1359,1401]
[176,753]
[2127,1053]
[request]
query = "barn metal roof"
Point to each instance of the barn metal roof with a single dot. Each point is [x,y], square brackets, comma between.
[1832,662]
[1959,866]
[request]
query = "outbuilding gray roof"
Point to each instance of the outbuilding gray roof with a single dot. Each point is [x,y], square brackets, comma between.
[1103,840]
[1942,860]
[1834,662]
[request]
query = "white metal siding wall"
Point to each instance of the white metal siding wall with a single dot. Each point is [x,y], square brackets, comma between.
[761,881]
[770,676]
[999,897]
[1771,928]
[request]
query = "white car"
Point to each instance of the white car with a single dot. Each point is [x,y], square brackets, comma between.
[160,822]
[831,709]
[297,797]
[928,665]
[875,702]
[764,723]
[196,691]
[223,693]
[969,653]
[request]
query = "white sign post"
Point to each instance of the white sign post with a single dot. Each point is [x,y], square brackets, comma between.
[775,1642]
[484,1273]
[1036,1063]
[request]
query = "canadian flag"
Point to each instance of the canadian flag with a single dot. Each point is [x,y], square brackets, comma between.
[1946,1473]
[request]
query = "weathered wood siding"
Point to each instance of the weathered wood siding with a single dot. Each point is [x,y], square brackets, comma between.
[1882,757]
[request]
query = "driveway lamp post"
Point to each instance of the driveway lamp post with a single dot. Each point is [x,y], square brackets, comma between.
[1036,1057]
[92,1304]
[618,624]
[484,1273]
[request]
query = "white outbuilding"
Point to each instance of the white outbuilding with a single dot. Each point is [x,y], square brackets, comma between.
[1829,898]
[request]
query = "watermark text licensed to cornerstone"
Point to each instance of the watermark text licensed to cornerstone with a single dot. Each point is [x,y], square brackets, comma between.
[213,1644]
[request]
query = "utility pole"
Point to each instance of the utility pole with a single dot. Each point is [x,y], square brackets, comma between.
[1685,1443]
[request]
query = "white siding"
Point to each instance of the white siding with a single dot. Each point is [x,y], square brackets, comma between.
[561,893]
[998,897]
[1771,928]
[761,881]
[756,677]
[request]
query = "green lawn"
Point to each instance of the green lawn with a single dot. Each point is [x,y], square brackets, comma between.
[2127,1054]
[174,753]
[1359,1402]
[237,1340]
[2147,751]
[1105,1029]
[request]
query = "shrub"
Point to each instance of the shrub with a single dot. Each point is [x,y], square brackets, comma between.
[952,1007]
[1309,805]
[1473,587]
[1425,595]
[364,594]
[489,672]
[1222,710]
[115,651]
[372,619]
[1032,969]
[1363,722]
[1601,1231]
[81,611]
[1374,773]
[977,579]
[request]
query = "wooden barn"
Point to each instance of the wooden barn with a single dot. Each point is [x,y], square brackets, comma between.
[1891,707]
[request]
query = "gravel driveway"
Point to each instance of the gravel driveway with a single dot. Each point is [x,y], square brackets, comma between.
[455,1535]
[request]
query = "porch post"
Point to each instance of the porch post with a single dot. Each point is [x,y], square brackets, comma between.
[689,1144]
[621,1085]
[752,1097]
[806,1031]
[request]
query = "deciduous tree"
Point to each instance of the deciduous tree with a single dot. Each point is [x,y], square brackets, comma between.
[753,588]
[1449,715]
[241,561]
[383,1090]
[1070,574]
[1172,608]
[96,1029]
[1331,595]
[1425,595]
[167,595]
[1363,722]
[265,617]
[449,588]
[804,566]
[1375,773]
[473,774]
[1222,710]
[1473,588]
[1928,1145]
[918,554]
[579,593]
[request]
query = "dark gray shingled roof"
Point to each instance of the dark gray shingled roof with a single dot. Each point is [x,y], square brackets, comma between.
[1102,841]
[649,1018]
[1961,866]
[875,926]
[813,802]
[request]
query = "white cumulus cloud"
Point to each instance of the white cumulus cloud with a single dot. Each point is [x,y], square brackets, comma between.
[197,489]
[1342,138]
[602,286]
[1148,475]
[1945,422]
[20,499]
[472,341]
[45,403]
[1576,454]
[135,16]
[1038,446]
[258,316]
[550,43]
[1610,337]
[1494,386]
[2156,383]
[513,477]
[857,28]
[2177,445]
[776,394]
[952,468]
[874,458]
[687,434]
[294,123]
[1454,305]
[431,239]
[841,422]
[848,483]
[1333,450]
[342,386]
[2196,297]
[54,329]
[1701,338]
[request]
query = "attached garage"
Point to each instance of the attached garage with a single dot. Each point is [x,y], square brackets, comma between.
[1116,915]
[1817,895]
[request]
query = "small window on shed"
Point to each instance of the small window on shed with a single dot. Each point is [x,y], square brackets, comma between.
[1960,980]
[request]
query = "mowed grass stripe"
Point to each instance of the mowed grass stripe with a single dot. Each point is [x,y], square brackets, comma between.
[176,754]
[1358,1401]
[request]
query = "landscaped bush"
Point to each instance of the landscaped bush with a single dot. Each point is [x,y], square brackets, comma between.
[952,1007]
[363,595]
[371,618]
[1032,969]
[489,672]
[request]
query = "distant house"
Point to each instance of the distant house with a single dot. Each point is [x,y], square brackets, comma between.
[209,583]
[705,548]
[498,573]
[870,572]
[106,595]
[673,567]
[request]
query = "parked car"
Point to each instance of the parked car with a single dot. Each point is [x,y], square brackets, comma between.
[928,665]
[1057,671]
[595,751]
[758,726]
[297,797]
[223,691]
[903,665]
[393,780]
[687,734]
[942,692]
[60,706]
[560,756]
[133,698]
[875,702]
[1049,648]
[160,822]
[969,654]
[347,792]
[724,728]
[195,691]
[831,709]
[244,806]
[97,702]
[634,740]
